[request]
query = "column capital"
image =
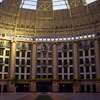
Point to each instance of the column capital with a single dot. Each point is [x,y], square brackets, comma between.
[54,43]
[75,42]
[13,41]
[96,39]
[34,43]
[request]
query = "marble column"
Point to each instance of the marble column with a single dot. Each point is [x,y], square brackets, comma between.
[55,67]
[76,60]
[55,60]
[33,66]
[12,62]
[97,58]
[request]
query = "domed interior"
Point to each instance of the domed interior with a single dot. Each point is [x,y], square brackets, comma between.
[49,18]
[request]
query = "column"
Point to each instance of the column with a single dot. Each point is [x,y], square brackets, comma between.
[97,58]
[76,66]
[76,60]
[97,62]
[55,60]
[55,67]
[33,66]
[12,61]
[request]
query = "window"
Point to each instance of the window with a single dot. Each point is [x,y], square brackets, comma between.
[65,54]
[81,69]
[6,69]
[1,60]
[87,68]
[38,76]
[93,69]
[44,70]
[28,77]
[92,52]
[71,69]
[1,1]
[65,46]
[71,76]
[80,53]
[49,62]
[22,70]
[49,70]
[65,62]
[87,76]
[65,70]
[29,4]
[59,54]
[17,53]
[17,69]
[70,61]
[91,44]
[1,52]
[16,77]
[92,60]
[6,61]
[90,1]
[70,46]
[87,61]
[28,69]
[17,61]
[82,76]
[60,62]
[60,4]
[60,76]
[28,54]
[60,70]
[49,76]
[44,76]
[0,68]
[23,61]
[70,54]
[65,77]
[86,53]
[28,62]
[7,52]
[22,76]
[38,70]
[5,76]
[23,54]
[38,62]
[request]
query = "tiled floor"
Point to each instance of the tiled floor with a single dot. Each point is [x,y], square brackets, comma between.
[54,96]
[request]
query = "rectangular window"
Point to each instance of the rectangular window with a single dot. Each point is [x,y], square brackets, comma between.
[7,52]
[6,69]
[17,69]
[1,52]
[17,53]
[23,53]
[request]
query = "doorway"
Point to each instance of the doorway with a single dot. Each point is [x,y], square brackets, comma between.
[44,86]
[65,88]
[22,87]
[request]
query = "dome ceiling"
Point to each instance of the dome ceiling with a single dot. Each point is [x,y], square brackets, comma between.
[49,17]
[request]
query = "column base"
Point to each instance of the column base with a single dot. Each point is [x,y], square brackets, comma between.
[11,87]
[76,87]
[32,86]
[55,87]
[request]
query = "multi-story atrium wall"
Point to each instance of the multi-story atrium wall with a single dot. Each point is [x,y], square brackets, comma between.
[43,48]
